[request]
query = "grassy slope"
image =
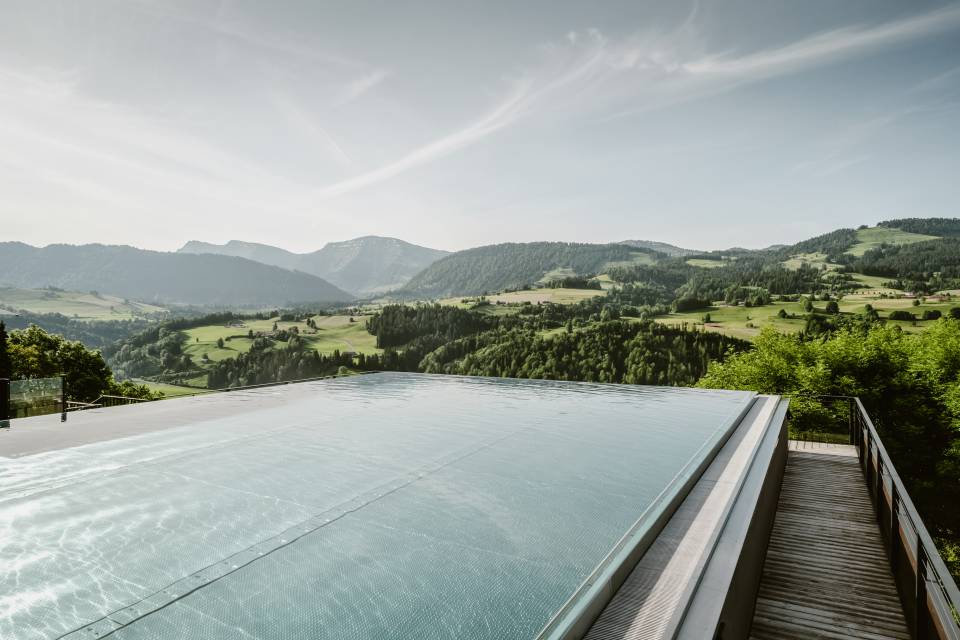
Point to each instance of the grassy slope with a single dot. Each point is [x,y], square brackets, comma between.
[83,306]
[332,333]
[875,236]
[534,296]
[169,390]
[706,263]
[733,320]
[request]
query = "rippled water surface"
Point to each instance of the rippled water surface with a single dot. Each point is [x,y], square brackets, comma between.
[380,506]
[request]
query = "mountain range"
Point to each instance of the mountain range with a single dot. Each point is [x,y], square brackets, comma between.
[163,277]
[365,266]
[251,274]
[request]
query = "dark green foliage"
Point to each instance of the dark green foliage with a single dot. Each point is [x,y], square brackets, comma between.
[96,333]
[690,303]
[932,314]
[955,313]
[614,351]
[900,314]
[511,265]
[670,275]
[909,383]
[261,366]
[832,307]
[574,283]
[943,227]
[6,369]
[34,353]
[834,244]
[396,325]
[919,262]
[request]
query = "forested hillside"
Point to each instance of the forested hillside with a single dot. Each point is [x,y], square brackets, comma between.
[943,227]
[155,276]
[661,247]
[502,266]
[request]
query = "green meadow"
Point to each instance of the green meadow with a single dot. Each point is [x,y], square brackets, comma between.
[333,333]
[87,306]
[875,236]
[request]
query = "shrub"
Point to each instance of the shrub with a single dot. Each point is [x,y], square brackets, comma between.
[932,314]
[900,314]
[690,303]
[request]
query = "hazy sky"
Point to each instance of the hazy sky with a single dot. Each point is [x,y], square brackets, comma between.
[454,124]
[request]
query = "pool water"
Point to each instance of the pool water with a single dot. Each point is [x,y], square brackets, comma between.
[378,506]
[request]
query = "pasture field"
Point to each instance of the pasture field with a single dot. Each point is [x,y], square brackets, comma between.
[811,259]
[76,304]
[169,390]
[706,263]
[332,333]
[533,296]
[557,274]
[638,258]
[875,236]
[747,322]
[740,321]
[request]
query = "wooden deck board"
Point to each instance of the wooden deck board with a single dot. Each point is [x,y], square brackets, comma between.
[826,573]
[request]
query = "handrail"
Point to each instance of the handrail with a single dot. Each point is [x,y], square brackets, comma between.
[866,439]
[926,568]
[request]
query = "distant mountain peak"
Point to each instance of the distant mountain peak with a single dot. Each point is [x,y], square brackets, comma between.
[365,266]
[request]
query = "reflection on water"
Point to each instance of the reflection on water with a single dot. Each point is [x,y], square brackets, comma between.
[381,506]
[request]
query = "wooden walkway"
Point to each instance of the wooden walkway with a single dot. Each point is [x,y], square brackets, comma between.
[826,574]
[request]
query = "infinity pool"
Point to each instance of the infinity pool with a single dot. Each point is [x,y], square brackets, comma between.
[378,506]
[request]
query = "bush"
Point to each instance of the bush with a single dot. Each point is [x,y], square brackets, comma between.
[690,303]
[900,314]
[932,314]
[955,313]
[833,307]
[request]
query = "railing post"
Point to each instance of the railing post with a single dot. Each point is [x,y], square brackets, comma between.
[920,625]
[850,421]
[894,545]
[4,402]
[879,489]
[63,399]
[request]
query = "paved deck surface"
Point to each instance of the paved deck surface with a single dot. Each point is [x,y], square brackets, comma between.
[826,573]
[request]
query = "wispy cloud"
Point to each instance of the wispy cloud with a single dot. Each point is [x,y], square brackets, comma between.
[588,72]
[305,121]
[504,114]
[359,86]
[827,47]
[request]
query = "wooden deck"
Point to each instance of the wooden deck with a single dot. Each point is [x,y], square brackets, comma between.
[826,573]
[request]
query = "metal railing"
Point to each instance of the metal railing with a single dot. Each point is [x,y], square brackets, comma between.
[929,594]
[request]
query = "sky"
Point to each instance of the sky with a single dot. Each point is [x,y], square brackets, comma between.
[455,124]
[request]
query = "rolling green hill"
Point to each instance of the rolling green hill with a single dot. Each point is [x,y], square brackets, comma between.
[78,305]
[502,266]
[160,278]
